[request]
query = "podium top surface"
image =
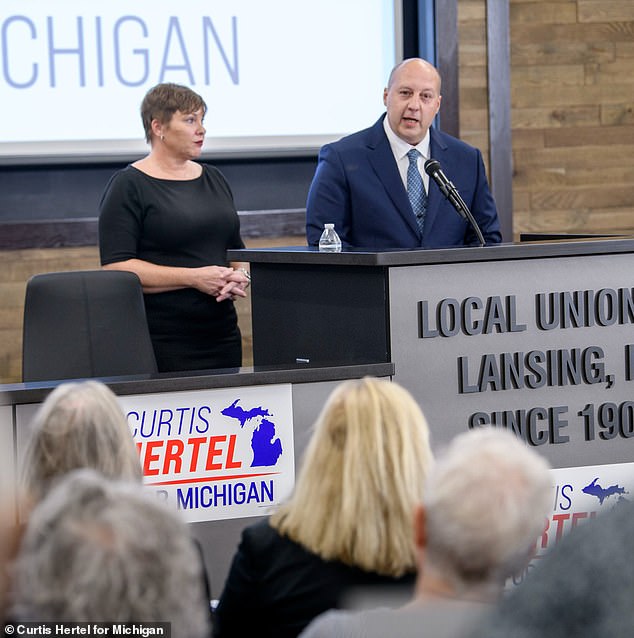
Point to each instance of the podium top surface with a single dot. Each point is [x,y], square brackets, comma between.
[35,392]
[498,252]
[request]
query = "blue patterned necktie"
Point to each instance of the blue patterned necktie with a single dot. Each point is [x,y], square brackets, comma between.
[416,189]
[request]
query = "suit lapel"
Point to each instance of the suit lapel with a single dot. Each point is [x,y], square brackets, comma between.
[434,197]
[382,161]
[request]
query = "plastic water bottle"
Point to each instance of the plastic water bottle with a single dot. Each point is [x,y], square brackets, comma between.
[329,241]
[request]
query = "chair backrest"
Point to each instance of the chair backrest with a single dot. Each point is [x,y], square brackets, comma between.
[85,324]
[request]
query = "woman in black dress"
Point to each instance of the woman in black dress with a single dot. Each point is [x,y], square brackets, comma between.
[170,220]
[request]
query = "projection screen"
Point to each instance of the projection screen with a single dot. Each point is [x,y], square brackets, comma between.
[278,77]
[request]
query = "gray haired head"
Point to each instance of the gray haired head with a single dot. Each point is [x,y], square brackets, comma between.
[79,425]
[487,501]
[97,550]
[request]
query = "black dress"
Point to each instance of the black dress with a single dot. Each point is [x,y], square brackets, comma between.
[275,587]
[188,223]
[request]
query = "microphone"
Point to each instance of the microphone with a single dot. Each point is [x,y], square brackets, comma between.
[434,170]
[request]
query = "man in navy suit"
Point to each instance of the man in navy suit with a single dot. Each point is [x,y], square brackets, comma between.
[360,183]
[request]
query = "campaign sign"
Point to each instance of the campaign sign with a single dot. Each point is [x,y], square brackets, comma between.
[579,495]
[216,454]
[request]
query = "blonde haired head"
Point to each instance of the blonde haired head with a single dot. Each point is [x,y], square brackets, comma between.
[362,475]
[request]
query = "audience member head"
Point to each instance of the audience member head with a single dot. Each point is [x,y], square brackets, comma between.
[163,100]
[79,425]
[97,550]
[582,587]
[412,99]
[361,477]
[486,503]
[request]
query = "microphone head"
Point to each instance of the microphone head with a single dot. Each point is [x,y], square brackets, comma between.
[432,166]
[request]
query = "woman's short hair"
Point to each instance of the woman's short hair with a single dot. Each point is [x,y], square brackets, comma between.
[362,475]
[163,100]
[79,425]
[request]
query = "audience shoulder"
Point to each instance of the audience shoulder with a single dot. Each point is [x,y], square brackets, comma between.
[331,624]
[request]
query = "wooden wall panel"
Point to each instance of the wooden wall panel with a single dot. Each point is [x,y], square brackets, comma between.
[472,54]
[572,104]
[605,10]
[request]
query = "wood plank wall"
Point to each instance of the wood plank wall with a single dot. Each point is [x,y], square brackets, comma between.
[572,100]
[472,57]
[572,110]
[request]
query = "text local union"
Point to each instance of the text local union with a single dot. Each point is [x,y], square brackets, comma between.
[553,310]
[471,316]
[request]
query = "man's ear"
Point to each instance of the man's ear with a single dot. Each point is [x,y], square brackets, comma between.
[420,527]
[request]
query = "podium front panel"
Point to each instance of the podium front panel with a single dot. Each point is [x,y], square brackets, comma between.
[319,314]
[543,347]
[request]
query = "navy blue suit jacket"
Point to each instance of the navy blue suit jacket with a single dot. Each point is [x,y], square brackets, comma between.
[357,186]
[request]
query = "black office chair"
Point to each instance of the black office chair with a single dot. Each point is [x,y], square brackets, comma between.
[85,324]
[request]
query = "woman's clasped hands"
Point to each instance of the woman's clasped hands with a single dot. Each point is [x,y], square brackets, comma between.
[221,282]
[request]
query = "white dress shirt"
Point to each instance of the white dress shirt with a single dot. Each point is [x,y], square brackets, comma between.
[401,147]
